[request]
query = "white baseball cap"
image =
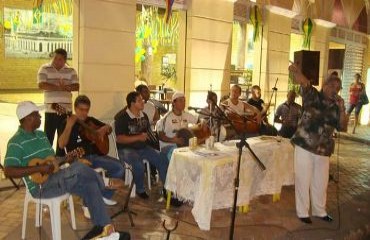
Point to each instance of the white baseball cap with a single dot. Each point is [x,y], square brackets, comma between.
[26,108]
[177,95]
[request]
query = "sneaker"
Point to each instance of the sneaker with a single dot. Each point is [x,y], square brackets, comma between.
[112,236]
[109,202]
[143,195]
[107,231]
[86,212]
[95,231]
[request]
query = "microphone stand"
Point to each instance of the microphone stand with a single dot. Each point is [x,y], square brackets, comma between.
[240,145]
[274,90]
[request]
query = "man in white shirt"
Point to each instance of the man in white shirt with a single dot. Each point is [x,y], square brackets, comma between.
[233,104]
[173,121]
[240,110]
[58,80]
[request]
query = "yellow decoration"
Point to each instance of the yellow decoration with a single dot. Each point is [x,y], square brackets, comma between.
[7,25]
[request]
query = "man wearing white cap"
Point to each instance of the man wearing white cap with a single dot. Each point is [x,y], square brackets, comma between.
[29,143]
[173,121]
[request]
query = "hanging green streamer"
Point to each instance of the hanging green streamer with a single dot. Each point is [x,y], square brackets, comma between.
[307,32]
[255,18]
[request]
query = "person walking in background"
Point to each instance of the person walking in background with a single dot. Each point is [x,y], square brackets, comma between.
[355,90]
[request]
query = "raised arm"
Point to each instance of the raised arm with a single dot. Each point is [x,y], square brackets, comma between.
[298,76]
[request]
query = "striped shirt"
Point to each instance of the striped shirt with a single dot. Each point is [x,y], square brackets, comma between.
[49,74]
[289,113]
[25,146]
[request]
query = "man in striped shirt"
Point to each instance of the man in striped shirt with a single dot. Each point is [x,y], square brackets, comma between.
[288,115]
[57,80]
[29,143]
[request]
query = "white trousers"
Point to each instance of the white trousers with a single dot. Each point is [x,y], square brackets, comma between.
[311,177]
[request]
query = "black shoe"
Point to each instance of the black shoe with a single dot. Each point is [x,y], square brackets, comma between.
[327,218]
[174,202]
[306,220]
[95,231]
[124,236]
[143,195]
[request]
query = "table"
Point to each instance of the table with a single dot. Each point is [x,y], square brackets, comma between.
[205,177]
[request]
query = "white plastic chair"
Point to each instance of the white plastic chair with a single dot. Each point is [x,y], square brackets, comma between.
[54,209]
[128,172]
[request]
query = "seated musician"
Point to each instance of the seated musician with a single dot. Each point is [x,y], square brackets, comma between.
[288,115]
[174,120]
[29,143]
[132,128]
[149,108]
[211,114]
[235,106]
[153,115]
[256,101]
[73,136]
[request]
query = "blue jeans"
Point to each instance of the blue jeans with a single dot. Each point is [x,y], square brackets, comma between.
[135,157]
[113,167]
[168,150]
[83,181]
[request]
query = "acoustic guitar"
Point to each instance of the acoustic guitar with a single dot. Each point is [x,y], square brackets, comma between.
[40,178]
[89,131]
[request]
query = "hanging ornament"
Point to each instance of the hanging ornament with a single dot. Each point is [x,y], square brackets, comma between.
[307,32]
[256,19]
[168,14]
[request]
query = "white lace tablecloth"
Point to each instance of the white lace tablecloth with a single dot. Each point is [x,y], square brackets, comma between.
[206,177]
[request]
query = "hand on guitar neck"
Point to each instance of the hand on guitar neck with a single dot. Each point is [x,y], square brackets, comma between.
[96,134]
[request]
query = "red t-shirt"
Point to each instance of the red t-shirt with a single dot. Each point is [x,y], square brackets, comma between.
[355,91]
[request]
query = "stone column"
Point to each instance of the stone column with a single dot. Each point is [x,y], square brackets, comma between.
[320,42]
[208,49]
[104,44]
[272,62]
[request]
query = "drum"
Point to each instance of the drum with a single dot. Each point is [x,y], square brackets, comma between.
[201,132]
[227,132]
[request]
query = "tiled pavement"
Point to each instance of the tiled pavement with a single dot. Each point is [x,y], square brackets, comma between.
[348,203]
[362,134]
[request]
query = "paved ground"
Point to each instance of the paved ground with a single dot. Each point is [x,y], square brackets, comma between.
[348,202]
[362,134]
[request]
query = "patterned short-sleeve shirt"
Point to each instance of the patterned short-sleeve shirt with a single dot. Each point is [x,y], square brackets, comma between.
[319,119]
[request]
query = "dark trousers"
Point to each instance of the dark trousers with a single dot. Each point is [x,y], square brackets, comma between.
[52,123]
[287,132]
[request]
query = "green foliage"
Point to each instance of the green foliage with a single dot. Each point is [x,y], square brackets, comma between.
[152,31]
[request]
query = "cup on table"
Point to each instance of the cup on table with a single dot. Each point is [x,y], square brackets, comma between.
[193,142]
[210,142]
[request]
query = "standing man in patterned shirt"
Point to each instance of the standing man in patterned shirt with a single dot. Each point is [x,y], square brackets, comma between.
[57,80]
[288,115]
[323,112]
